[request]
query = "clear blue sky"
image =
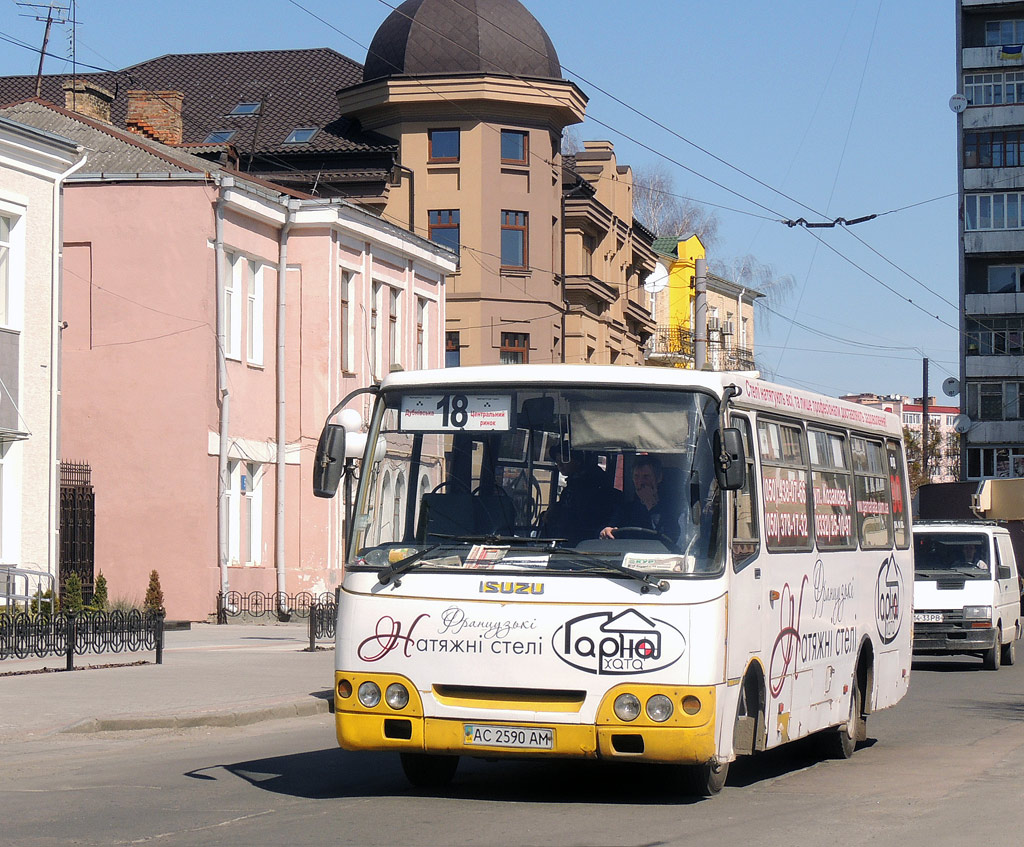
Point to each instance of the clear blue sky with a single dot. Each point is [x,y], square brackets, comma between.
[841,106]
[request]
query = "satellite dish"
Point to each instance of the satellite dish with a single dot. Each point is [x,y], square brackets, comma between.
[961,423]
[657,279]
[958,103]
[951,386]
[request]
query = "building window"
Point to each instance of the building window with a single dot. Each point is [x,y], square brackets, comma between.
[515,147]
[994,89]
[1000,149]
[452,351]
[254,315]
[421,330]
[250,108]
[995,401]
[5,269]
[234,288]
[245,507]
[998,33]
[301,135]
[444,228]
[995,336]
[219,136]
[995,462]
[514,239]
[345,321]
[394,356]
[992,211]
[375,307]
[443,145]
[515,348]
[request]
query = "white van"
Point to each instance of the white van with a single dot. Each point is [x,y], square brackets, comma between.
[966,591]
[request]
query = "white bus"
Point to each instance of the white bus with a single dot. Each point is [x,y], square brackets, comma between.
[508,593]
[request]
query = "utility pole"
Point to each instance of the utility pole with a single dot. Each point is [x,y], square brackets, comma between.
[924,425]
[49,20]
[700,315]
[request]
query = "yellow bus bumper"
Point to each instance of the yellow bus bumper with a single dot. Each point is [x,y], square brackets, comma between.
[682,739]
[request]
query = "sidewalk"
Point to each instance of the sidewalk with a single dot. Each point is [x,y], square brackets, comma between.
[211,675]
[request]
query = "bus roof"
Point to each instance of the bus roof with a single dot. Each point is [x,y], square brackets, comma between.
[755,393]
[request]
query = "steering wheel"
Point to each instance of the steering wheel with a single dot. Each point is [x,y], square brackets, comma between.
[634,532]
[445,482]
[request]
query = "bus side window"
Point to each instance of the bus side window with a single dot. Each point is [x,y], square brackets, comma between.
[897,493]
[871,493]
[746,538]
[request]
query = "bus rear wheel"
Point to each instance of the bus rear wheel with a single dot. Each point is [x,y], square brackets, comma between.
[841,741]
[705,780]
[424,770]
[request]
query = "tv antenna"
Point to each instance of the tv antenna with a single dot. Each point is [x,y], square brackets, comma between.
[55,13]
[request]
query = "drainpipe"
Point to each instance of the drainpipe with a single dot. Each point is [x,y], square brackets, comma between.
[282,284]
[56,327]
[223,394]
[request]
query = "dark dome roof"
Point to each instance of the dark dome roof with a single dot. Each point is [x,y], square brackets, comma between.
[424,37]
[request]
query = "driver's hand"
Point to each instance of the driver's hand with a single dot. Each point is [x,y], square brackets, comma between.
[608,532]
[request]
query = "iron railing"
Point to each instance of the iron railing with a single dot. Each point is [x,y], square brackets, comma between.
[323,616]
[676,343]
[259,603]
[24,635]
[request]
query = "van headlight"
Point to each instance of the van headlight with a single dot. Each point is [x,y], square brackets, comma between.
[977,613]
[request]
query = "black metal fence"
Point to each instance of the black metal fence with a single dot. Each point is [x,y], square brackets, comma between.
[323,616]
[77,525]
[23,635]
[256,604]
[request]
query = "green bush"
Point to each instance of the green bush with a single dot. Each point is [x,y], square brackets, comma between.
[154,600]
[99,594]
[71,599]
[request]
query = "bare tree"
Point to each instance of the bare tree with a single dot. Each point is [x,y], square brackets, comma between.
[658,206]
[571,144]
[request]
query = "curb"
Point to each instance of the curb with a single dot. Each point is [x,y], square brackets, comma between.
[232,717]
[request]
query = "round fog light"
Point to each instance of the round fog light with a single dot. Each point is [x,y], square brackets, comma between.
[659,708]
[369,694]
[627,707]
[691,705]
[344,689]
[397,696]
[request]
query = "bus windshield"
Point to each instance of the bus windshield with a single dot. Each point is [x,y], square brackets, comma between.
[501,478]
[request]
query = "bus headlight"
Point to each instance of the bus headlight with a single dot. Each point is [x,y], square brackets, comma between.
[659,708]
[369,694]
[977,613]
[396,696]
[627,707]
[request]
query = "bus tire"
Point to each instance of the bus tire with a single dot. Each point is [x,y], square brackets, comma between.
[841,741]
[993,656]
[705,780]
[424,770]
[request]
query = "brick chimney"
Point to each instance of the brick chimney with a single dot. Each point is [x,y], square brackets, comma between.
[87,98]
[155,114]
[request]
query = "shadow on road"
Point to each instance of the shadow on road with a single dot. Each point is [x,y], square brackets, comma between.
[335,773]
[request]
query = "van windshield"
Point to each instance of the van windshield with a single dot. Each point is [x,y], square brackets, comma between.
[942,553]
[516,478]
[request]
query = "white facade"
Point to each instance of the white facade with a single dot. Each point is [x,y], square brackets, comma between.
[33,165]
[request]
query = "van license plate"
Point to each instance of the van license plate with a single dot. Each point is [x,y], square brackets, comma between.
[927,617]
[521,737]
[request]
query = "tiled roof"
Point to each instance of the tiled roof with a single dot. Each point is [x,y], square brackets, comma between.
[427,37]
[296,89]
[666,246]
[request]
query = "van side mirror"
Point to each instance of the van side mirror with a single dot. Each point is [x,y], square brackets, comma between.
[730,460]
[1003,572]
[329,463]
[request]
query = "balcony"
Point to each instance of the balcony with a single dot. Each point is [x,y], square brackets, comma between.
[674,345]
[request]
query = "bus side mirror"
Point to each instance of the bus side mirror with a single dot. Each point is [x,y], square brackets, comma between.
[730,461]
[329,463]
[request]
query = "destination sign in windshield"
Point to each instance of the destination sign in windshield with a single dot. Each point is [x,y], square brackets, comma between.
[462,412]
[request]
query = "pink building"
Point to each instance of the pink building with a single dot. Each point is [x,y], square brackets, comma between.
[194,385]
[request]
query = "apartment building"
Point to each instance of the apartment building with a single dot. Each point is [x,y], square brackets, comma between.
[990,124]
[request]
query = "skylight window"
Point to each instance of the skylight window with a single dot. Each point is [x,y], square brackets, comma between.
[245,109]
[301,135]
[219,136]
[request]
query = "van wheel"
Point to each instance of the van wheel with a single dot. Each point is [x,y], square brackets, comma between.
[427,771]
[992,657]
[840,742]
[705,780]
[1010,651]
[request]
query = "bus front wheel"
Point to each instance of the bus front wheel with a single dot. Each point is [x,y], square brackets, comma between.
[705,780]
[424,770]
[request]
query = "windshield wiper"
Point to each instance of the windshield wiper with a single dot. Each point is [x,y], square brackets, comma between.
[582,559]
[391,572]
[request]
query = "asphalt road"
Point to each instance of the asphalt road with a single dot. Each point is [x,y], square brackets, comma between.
[946,766]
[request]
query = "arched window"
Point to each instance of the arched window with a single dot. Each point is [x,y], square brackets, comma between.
[387,532]
[398,527]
